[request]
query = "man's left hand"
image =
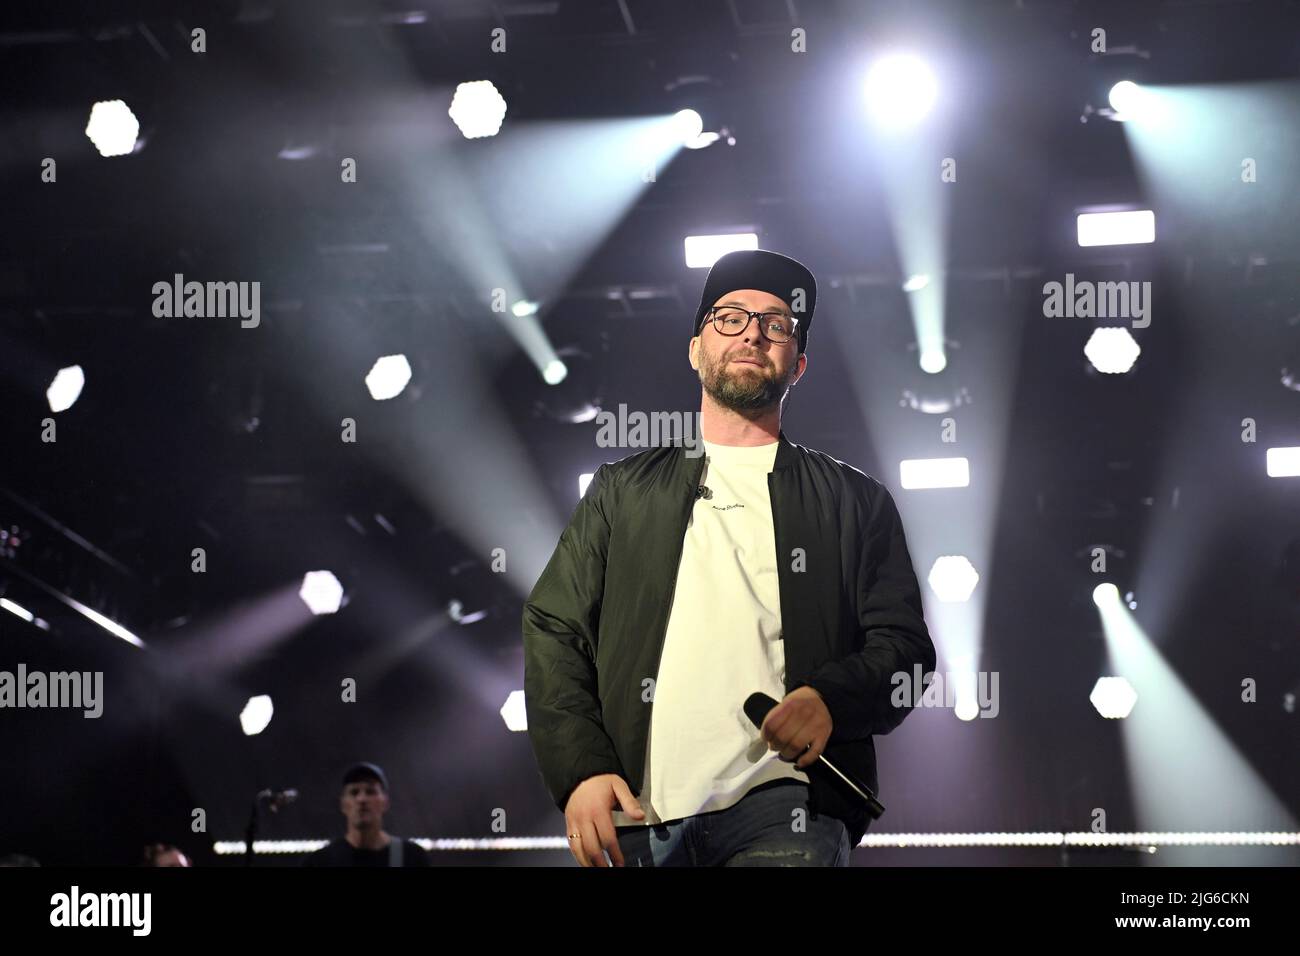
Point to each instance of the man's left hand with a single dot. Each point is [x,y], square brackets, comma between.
[798,727]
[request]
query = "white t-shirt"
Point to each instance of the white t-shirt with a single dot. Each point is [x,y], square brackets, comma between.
[723,643]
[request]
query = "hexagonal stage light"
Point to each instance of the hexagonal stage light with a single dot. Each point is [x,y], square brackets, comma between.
[513,712]
[952,578]
[388,377]
[1113,697]
[256,715]
[477,109]
[1112,350]
[113,128]
[321,592]
[66,388]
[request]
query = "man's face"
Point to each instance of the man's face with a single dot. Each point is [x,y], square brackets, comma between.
[364,803]
[746,372]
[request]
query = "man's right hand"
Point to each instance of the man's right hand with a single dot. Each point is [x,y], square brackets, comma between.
[588,813]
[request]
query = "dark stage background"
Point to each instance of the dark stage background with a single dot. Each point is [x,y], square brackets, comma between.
[198,433]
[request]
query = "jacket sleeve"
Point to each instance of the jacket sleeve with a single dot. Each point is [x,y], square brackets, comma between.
[858,689]
[560,626]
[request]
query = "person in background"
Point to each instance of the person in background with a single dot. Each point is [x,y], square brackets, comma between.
[164,854]
[363,803]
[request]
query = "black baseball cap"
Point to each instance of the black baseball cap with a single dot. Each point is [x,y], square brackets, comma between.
[365,771]
[766,271]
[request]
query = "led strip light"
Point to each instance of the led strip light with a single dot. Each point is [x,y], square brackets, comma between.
[870,841]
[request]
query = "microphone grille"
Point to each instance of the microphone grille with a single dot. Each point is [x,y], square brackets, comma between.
[757,706]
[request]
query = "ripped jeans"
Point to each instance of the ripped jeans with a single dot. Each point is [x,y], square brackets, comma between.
[759,830]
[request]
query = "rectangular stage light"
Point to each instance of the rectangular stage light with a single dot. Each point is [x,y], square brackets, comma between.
[1116,227]
[934,473]
[18,609]
[1283,462]
[703,251]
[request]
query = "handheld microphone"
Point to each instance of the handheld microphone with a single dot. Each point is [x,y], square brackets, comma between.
[757,707]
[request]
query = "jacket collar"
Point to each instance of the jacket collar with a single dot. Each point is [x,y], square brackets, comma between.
[787,453]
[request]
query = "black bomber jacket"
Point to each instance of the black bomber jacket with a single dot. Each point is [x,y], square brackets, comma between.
[595,622]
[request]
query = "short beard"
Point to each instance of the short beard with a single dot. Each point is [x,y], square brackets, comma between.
[740,391]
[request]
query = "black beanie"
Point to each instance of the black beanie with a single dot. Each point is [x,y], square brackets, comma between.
[766,271]
[365,771]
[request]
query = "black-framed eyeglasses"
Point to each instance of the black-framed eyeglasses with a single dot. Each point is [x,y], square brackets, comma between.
[776,327]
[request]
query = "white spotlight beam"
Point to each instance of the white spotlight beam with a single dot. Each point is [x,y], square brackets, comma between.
[901,89]
[1186,773]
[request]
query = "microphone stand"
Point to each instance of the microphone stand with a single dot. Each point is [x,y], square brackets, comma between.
[250,833]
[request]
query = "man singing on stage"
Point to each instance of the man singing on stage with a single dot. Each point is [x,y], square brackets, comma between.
[685,583]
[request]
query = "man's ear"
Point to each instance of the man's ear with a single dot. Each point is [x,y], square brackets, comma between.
[802,367]
[690,351]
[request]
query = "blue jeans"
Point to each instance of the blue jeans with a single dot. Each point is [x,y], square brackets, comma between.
[759,830]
